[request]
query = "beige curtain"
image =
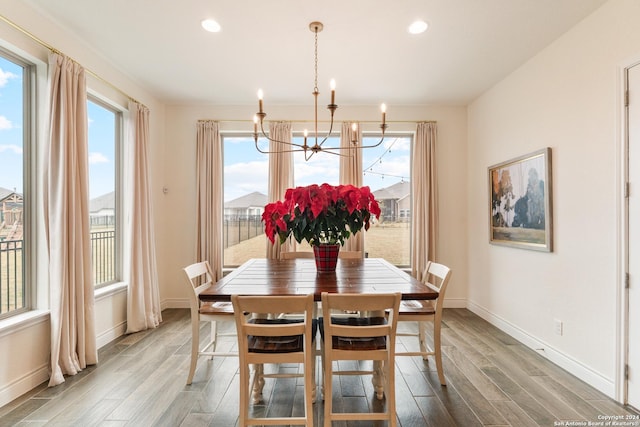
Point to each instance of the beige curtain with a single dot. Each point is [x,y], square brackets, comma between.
[280,174]
[209,210]
[143,296]
[66,216]
[424,212]
[351,172]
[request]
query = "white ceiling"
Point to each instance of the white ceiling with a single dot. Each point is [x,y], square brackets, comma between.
[469,46]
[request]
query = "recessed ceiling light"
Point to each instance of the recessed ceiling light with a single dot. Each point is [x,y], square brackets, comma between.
[211,25]
[418,27]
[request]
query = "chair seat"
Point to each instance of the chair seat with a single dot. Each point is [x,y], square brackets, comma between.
[216,307]
[278,344]
[356,343]
[417,307]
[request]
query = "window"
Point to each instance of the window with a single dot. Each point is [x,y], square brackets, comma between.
[245,195]
[104,143]
[16,104]
[387,172]
[321,168]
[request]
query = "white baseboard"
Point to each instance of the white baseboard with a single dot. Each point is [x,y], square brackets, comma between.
[566,362]
[111,334]
[22,385]
[175,303]
[455,303]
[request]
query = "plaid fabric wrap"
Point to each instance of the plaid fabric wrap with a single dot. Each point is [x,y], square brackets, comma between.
[326,257]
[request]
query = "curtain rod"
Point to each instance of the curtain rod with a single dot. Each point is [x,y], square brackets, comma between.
[54,50]
[319,121]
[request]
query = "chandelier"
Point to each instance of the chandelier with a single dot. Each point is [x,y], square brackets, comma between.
[312,143]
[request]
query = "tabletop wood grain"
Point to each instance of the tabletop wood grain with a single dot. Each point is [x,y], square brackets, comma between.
[260,276]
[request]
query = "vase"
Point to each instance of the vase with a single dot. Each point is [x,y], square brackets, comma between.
[326,257]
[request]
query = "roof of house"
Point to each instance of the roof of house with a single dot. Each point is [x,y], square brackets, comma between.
[5,193]
[248,200]
[397,191]
[106,201]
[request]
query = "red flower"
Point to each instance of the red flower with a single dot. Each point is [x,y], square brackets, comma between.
[320,214]
[273,218]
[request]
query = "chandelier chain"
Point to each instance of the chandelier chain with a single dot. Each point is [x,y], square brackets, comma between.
[315,83]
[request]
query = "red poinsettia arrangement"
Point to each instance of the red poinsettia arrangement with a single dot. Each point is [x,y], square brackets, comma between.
[320,214]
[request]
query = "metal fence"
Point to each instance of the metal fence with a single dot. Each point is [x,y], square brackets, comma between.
[12,292]
[239,228]
[12,283]
[103,251]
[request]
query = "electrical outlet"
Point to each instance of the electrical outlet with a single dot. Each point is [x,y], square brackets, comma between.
[557,324]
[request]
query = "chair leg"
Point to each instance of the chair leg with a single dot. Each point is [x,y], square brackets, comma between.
[214,336]
[195,344]
[422,337]
[245,389]
[438,352]
[328,390]
[389,373]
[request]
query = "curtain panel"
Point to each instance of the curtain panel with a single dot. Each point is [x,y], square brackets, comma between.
[210,194]
[66,218]
[351,172]
[143,295]
[280,175]
[424,210]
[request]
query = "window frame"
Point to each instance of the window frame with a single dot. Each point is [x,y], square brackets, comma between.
[118,171]
[29,190]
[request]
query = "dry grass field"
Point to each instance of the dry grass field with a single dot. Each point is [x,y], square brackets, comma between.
[389,241]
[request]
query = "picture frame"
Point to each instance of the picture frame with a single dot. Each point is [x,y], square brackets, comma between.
[520,211]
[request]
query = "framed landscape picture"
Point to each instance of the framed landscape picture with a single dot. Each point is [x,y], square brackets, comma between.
[520,202]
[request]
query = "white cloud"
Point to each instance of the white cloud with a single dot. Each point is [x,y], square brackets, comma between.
[5,123]
[5,76]
[397,144]
[97,158]
[11,147]
[244,178]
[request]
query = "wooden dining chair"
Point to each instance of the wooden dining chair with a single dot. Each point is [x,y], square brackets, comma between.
[296,255]
[262,340]
[437,277]
[199,277]
[305,254]
[370,337]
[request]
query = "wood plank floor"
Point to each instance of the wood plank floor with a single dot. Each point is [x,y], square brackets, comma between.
[493,380]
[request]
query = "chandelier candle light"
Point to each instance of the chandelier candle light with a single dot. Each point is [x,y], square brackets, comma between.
[310,150]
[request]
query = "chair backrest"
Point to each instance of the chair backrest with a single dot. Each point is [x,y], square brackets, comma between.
[199,278]
[251,312]
[437,276]
[375,306]
[304,254]
[350,254]
[296,254]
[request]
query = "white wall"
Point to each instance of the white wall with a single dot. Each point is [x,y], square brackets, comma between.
[24,350]
[568,98]
[181,136]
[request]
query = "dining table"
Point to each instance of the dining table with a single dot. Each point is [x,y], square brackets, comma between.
[260,276]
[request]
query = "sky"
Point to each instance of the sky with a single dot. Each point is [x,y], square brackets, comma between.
[246,169]
[11,149]
[101,136]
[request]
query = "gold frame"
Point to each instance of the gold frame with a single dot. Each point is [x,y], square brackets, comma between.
[517,188]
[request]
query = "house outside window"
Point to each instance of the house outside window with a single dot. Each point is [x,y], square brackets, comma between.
[104,142]
[245,195]
[386,170]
